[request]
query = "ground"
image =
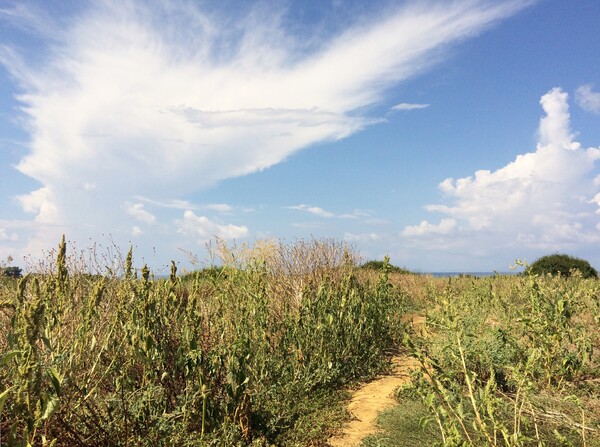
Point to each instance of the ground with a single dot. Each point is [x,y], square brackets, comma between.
[368,401]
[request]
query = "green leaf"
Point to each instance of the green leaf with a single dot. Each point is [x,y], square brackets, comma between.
[3,397]
[8,357]
[47,343]
[51,407]
[55,378]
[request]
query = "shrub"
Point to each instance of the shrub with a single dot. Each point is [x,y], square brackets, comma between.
[563,265]
[11,272]
[378,265]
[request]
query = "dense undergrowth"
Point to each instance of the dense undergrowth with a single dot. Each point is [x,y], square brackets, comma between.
[244,354]
[505,361]
[258,350]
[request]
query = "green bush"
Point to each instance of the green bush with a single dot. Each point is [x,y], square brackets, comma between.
[378,265]
[11,272]
[563,265]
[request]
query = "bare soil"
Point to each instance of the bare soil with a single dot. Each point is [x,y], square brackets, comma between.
[374,397]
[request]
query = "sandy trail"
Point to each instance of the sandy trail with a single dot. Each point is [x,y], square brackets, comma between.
[374,397]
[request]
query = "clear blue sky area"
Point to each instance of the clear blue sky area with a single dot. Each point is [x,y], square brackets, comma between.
[451,136]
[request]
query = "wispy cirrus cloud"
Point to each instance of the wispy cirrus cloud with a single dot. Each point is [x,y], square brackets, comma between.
[318,211]
[168,98]
[29,18]
[179,204]
[361,237]
[409,106]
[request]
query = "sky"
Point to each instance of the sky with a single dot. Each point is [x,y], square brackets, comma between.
[450,135]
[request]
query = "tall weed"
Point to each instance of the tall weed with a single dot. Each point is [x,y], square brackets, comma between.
[237,356]
[504,354]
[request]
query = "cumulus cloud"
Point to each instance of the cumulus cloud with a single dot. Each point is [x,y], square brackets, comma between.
[139,213]
[203,229]
[160,99]
[547,199]
[41,202]
[409,106]
[588,99]
[554,130]
[425,228]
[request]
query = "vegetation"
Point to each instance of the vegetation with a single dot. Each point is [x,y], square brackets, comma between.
[253,353]
[505,361]
[380,265]
[258,352]
[564,265]
[11,272]
[402,426]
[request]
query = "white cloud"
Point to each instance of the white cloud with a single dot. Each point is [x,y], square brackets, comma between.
[361,237]
[160,98]
[203,229]
[547,199]
[307,225]
[186,205]
[8,236]
[409,106]
[42,203]
[177,204]
[219,207]
[554,128]
[446,226]
[139,213]
[588,99]
[29,18]
[317,211]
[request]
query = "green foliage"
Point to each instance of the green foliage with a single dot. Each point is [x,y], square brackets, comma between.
[562,264]
[379,266]
[505,358]
[235,359]
[11,272]
[214,272]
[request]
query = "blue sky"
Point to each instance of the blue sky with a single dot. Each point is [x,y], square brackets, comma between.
[451,136]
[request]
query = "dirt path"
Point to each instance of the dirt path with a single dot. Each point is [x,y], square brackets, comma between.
[373,398]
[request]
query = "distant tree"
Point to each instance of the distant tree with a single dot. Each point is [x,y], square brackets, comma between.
[11,272]
[378,265]
[562,264]
[213,272]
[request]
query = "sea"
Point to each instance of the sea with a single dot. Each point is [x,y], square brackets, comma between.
[474,274]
